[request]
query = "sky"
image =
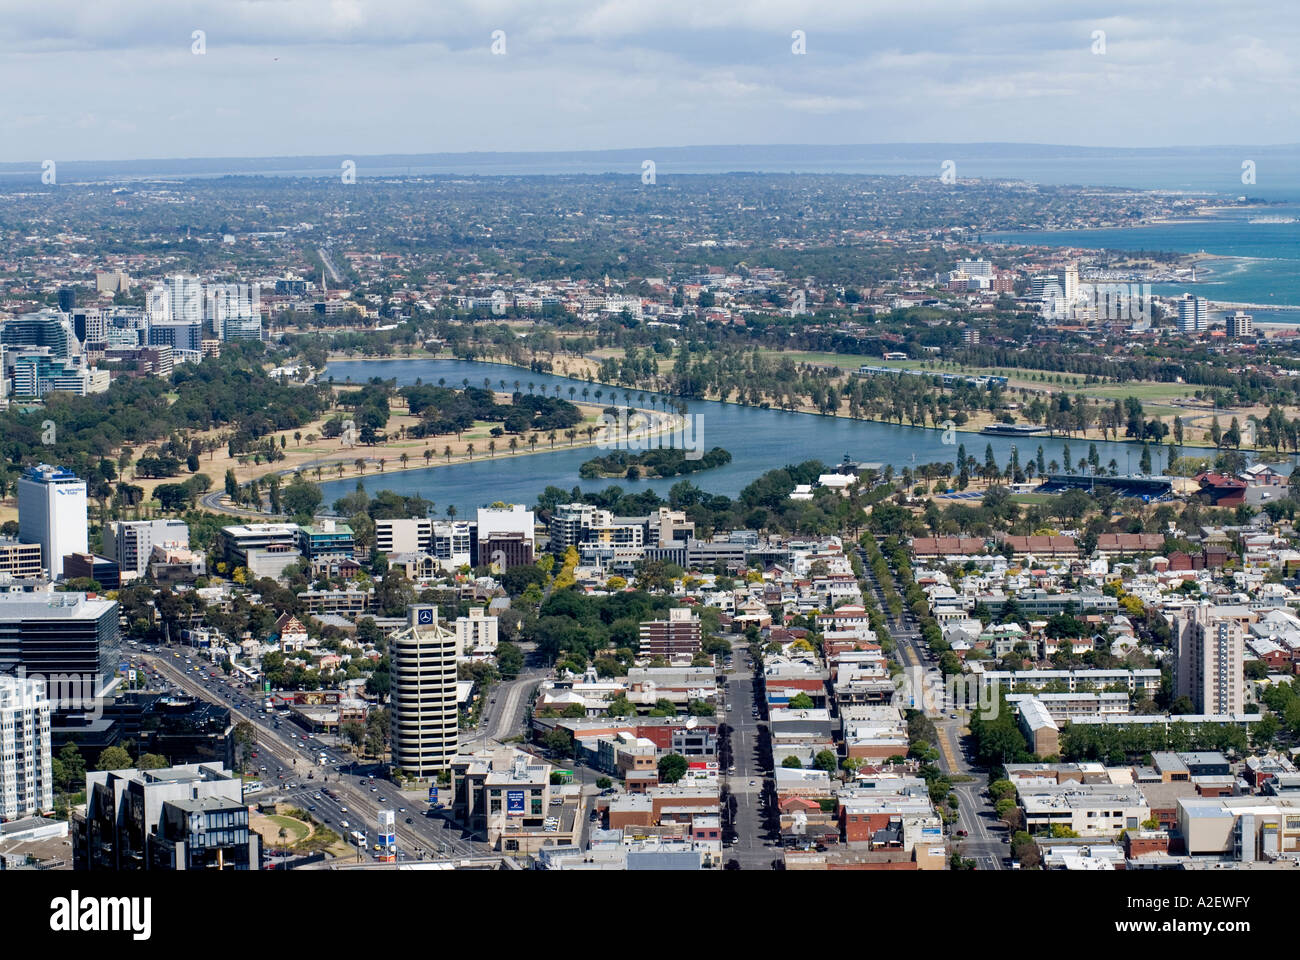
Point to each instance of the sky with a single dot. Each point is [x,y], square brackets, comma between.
[114,81]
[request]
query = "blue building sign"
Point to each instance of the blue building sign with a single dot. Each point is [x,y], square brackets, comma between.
[514,801]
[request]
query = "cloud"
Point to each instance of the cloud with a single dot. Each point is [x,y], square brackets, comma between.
[304,76]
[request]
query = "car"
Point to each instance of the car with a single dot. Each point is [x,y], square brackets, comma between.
[1006,839]
[401,809]
[753,783]
[961,833]
[374,789]
[343,809]
[311,806]
[344,824]
[382,800]
[952,716]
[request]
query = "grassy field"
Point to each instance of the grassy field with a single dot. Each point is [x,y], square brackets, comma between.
[297,829]
[1031,499]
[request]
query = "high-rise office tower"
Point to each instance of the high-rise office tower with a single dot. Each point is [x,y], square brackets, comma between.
[45,328]
[71,640]
[52,512]
[67,299]
[425,717]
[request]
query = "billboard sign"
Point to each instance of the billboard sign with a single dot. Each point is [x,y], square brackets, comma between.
[514,802]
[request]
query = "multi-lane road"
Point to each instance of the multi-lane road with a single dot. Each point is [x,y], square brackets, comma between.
[289,758]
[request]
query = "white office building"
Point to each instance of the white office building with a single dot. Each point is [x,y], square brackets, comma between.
[26,780]
[52,512]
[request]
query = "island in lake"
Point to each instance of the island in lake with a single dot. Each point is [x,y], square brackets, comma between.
[652,463]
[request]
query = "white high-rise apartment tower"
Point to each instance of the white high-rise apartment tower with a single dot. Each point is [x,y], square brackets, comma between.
[26,778]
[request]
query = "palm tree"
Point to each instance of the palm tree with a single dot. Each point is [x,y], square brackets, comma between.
[297,438]
[551,437]
[405,458]
[470,450]
[572,435]
[338,468]
[428,455]
[318,471]
[514,444]
[381,464]
[492,448]
[446,452]
[532,441]
[360,464]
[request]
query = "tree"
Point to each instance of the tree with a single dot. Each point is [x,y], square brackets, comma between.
[245,737]
[510,659]
[301,498]
[792,762]
[354,732]
[559,741]
[69,768]
[151,761]
[113,758]
[672,768]
[603,783]
[801,702]
[826,760]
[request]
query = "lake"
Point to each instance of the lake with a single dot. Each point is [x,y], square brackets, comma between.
[759,440]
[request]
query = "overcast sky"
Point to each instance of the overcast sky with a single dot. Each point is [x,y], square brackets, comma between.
[114,80]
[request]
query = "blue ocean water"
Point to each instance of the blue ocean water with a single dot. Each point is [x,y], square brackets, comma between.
[1255,254]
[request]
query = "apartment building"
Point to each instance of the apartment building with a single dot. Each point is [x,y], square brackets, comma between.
[677,638]
[1209,663]
[130,543]
[26,781]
